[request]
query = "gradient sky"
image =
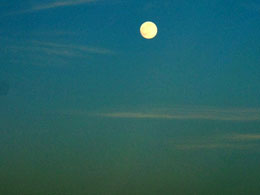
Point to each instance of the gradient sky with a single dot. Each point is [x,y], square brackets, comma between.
[205,52]
[83,63]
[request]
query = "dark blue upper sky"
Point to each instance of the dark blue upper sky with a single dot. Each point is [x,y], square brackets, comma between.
[205,53]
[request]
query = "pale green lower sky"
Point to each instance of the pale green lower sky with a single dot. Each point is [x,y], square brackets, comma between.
[74,153]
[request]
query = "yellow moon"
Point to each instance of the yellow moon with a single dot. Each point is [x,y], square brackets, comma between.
[148,30]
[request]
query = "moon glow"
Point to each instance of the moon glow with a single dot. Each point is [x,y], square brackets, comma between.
[148,30]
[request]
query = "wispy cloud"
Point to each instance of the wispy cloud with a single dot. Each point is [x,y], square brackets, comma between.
[51,5]
[213,146]
[63,50]
[246,137]
[75,48]
[190,113]
[51,53]
[63,3]
[228,141]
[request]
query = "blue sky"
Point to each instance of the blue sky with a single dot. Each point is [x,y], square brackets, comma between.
[206,53]
[84,83]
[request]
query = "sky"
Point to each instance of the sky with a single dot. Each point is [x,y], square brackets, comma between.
[79,84]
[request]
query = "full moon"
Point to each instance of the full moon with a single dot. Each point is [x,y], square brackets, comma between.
[148,30]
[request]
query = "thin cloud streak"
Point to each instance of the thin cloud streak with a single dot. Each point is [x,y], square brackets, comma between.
[190,114]
[63,3]
[81,48]
[52,53]
[246,137]
[214,146]
[51,5]
[228,141]
[56,49]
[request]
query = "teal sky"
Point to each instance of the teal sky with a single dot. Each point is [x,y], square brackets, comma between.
[206,53]
[93,107]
